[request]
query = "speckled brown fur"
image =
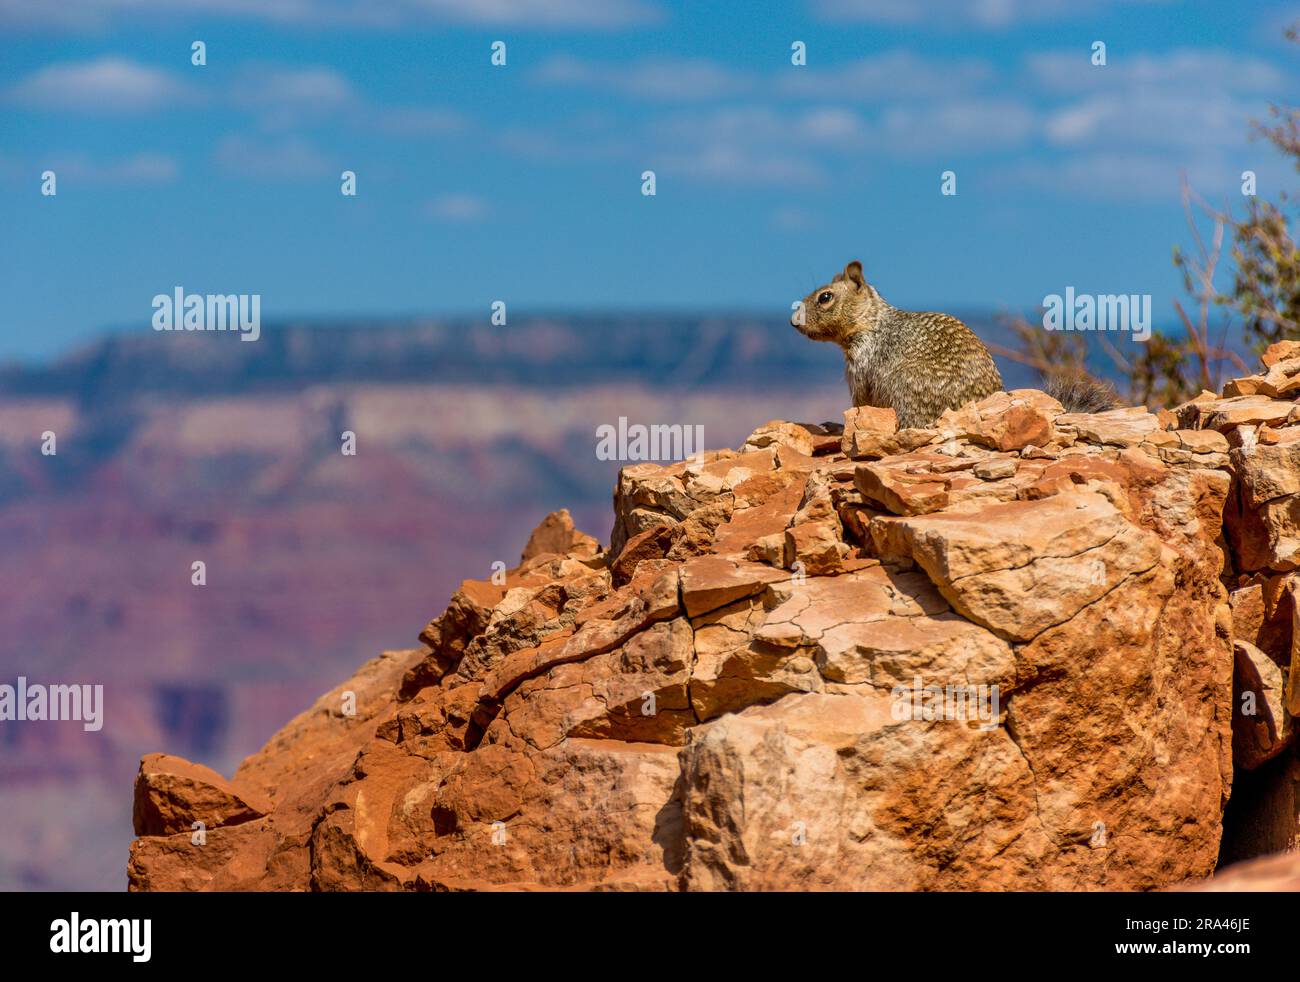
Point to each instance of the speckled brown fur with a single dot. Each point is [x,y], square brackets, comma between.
[917,364]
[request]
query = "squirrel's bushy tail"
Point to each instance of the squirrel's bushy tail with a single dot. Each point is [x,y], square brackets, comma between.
[1080,393]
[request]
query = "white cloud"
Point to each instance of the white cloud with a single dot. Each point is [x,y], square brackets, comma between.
[1153,119]
[1132,124]
[140,168]
[793,219]
[760,125]
[1119,175]
[285,98]
[383,14]
[1188,70]
[667,79]
[741,165]
[957,14]
[259,87]
[541,13]
[584,137]
[416,121]
[830,127]
[457,207]
[759,145]
[888,75]
[271,158]
[956,127]
[278,97]
[743,145]
[1136,122]
[105,85]
[752,145]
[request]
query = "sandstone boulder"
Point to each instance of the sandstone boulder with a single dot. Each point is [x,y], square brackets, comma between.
[1010,651]
[174,796]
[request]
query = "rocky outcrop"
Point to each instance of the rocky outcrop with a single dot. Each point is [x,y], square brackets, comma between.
[1022,649]
[173,795]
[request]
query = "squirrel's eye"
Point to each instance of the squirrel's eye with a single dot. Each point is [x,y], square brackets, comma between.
[825,297]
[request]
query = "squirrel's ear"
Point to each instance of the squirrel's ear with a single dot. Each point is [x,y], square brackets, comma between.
[853,273]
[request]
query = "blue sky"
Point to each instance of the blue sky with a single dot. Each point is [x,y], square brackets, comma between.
[522,182]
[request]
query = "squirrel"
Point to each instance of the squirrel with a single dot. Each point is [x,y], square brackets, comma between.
[918,364]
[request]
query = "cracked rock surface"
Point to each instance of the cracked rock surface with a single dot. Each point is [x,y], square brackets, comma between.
[1012,651]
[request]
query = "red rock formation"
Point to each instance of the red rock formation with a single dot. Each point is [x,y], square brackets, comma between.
[1019,650]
